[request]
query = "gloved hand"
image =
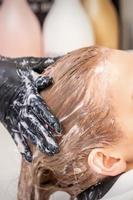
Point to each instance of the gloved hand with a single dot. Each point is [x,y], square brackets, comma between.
[22,111]
[98,191]
[35,63]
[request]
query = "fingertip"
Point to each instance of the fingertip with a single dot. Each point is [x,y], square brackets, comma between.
[49,80]
[27,156]
[43,82]
[58,128]
[54,150]
[50,149]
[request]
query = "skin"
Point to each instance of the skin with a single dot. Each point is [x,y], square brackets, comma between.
[122,93]
[116,159]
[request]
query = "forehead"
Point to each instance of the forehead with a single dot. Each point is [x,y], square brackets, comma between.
[121,88]
[120,73]
[120,76]
[117,75]
[120,65]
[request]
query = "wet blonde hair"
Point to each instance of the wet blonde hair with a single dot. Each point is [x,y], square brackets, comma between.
[79,99]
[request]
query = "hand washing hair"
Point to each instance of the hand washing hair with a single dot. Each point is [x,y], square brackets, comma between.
[80,99]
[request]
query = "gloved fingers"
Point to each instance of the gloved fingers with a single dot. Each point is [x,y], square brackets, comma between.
[36,64]
[26,130]
[41,110]
[22,145]
[27,155]
[38,138]
[43,82]
[31,136]
[30,62]
[44,139]
[24,73]
[46,142]
[41,64]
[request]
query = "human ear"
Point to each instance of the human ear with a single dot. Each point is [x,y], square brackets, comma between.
[105,162]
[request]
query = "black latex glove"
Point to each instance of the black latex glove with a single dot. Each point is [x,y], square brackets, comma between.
[35,63]
[22,111]
[97,192]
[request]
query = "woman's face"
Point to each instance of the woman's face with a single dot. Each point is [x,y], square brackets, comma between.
[120,77]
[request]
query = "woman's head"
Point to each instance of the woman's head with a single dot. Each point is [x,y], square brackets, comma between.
[87,99]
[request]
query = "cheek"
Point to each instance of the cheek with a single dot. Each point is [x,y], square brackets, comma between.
[124,119]
[124,116]
[125,125]
[122,100]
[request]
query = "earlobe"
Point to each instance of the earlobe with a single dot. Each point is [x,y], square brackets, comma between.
[103,163]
